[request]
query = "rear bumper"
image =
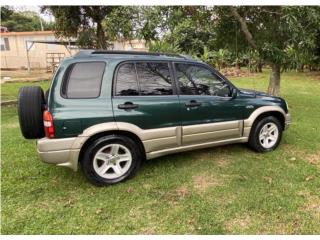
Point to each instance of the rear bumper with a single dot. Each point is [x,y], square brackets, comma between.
[287,121]
[59,151]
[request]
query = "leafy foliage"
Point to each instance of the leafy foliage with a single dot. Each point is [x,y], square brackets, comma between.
[22,21]
[163,46]
[282,35]
[121,23]
[81,22]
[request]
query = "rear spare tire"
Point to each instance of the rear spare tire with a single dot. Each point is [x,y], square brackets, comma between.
[31,105]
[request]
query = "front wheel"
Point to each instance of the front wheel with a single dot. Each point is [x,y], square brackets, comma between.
[265,134]
[111,159]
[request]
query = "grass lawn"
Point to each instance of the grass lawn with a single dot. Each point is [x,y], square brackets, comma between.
[223,190]
[9,91]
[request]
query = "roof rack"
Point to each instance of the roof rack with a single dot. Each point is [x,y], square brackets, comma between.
[83,53]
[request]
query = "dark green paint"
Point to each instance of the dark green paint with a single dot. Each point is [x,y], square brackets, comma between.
[153,111]
[72,116]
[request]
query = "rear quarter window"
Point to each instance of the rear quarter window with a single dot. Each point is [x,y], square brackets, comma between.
[83,80]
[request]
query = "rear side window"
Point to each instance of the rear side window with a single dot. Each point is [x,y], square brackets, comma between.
[144,79]
[127,84]
[83,80]
[154,78]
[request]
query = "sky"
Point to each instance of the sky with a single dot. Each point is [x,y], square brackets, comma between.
[46,17]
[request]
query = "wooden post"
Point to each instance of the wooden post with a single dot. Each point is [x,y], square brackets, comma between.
[28,56]
[28,49]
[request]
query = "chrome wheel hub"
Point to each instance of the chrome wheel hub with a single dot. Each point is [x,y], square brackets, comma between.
[112,161]
[268,135]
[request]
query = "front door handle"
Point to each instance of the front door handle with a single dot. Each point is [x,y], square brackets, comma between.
[193,103]
[128,106]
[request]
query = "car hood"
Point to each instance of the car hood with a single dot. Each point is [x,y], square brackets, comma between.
[253,93]
[247,93]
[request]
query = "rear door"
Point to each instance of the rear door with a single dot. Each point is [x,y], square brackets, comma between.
[144,95]
[208,112]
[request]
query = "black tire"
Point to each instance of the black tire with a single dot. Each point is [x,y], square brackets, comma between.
[91,150]
[31,105]
[254,141]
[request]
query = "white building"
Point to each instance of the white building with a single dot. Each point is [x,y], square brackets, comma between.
[41,55]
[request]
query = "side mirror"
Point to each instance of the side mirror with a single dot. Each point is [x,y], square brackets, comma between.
[234,93]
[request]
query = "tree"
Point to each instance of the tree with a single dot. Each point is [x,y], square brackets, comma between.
[270,30]
[22,21]
[95,26]
[123,23]
[6,12]
[185,27]
[85,23]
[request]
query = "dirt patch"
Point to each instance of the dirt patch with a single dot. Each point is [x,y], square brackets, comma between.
[174,196]
[222,162]
[202,182]
[24,76]
[235,72]
[314,74]
[217,156]
[242,223]
[311,203]
[149,231]
[182,191]
[313,158]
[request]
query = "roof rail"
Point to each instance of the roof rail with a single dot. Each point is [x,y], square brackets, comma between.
[85,52]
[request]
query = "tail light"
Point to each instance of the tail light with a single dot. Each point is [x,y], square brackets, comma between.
[48,124]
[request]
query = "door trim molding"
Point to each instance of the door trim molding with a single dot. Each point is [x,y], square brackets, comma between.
[160,153]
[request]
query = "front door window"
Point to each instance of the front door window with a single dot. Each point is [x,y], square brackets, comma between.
[199,80]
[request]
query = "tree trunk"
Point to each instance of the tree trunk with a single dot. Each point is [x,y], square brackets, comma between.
[274,82]
[260,66]
[301,68]
[101,38]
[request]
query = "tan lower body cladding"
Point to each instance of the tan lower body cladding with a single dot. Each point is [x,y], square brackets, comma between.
[195,137]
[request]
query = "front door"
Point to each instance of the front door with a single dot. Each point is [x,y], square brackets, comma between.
[208,112]
[144,96]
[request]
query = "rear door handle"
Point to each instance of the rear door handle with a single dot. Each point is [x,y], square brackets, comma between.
[193,103]
[128,106]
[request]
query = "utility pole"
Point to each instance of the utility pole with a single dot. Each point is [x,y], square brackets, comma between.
[40,22]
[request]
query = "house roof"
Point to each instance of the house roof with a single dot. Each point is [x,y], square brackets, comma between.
[27,33]
[53,42]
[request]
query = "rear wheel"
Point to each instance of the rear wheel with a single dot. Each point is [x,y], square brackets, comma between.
[31,104]
[266,134]
[111,159]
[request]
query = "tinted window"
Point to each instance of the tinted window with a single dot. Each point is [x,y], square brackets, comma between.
[84,80]
[5,44]
[154,78]
[126,83]
[198,80]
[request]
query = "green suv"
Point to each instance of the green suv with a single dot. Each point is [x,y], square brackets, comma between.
[108,111]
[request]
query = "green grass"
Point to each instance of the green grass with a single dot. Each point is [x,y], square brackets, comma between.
[9,91]
[223,190]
